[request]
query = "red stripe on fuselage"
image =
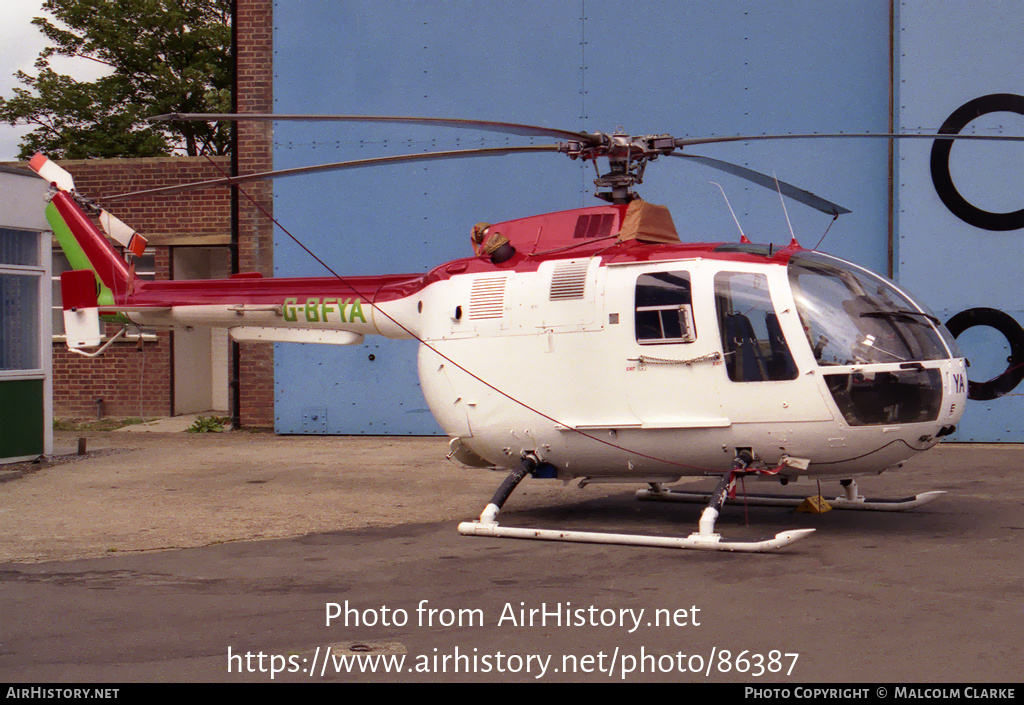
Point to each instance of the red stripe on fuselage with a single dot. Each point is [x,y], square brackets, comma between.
[256,290]
[528,234]
[389,287]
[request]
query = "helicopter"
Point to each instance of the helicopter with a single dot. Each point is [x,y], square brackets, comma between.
[725,360]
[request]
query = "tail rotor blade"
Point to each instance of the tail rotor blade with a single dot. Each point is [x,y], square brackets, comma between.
[51,172]
[122,234]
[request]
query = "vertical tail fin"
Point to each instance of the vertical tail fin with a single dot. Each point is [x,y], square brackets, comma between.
[87,248]
[83,244]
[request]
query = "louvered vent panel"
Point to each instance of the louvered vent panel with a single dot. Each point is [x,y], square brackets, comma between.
[599,225]
[569,281]
[487,298]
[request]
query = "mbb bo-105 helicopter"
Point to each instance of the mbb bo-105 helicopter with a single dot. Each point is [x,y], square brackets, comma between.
[724,359]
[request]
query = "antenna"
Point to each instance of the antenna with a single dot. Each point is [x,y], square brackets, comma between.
[743,238]
[792,235]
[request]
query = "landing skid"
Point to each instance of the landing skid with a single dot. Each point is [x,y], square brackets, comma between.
[704,539]
[697,541]
[852,500]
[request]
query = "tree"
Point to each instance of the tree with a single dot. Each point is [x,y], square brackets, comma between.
[164,56]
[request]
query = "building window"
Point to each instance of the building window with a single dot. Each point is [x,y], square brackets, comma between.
[21,279]
[19,321]
[19,248]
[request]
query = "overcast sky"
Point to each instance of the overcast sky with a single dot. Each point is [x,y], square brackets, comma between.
[20,44]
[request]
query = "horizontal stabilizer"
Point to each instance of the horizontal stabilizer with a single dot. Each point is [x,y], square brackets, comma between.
[82,328]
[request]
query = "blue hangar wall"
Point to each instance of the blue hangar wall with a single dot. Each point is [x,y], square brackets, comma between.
[689,69]
[959,221]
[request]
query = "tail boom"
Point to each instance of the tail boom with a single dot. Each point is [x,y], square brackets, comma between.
[297,309]
[328,309]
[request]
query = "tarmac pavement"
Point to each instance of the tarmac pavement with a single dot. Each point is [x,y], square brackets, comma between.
[221,557]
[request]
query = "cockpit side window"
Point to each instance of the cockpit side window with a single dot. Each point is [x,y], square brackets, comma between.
[752,340]
[664,308]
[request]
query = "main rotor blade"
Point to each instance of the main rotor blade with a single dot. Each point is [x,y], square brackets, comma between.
[511,128]
[337,166]
[689,141]
[769,182]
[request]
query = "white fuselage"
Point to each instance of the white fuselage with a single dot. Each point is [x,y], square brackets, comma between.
[651,370]
[549,362]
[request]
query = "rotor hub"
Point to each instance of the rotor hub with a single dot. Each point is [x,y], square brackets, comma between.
[627,157]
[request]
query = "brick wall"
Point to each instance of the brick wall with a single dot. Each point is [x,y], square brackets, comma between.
[132,380]
[187,218]
[255,151]
[136,378]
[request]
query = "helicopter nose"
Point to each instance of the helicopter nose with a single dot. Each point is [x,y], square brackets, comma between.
[955,396]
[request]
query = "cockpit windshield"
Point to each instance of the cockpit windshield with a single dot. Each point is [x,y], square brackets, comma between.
[853,317]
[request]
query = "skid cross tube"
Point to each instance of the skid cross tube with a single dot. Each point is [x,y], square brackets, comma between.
[778,500]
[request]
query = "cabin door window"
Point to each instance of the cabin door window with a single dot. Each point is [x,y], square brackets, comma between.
[752,341]
[664,309]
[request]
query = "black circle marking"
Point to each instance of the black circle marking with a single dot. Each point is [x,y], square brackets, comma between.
[1014,334]
[957,204]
